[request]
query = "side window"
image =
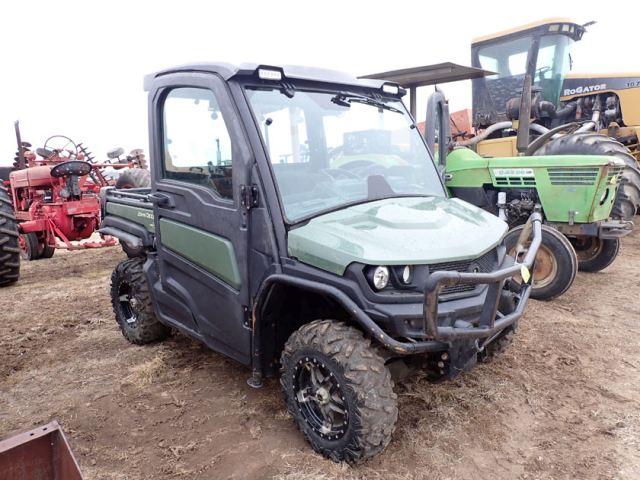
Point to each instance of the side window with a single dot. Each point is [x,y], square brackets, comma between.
[197,145]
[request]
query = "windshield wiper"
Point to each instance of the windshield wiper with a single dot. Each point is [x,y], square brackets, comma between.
[345,99]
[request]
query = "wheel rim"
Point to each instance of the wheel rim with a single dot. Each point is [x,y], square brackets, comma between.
[127,303]
[587,248]
[545,268]
[320,398]
[25,252]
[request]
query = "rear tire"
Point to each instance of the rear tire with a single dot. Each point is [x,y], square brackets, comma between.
[595,254]
[134,178]
[329,367]
[627,199]
[556,264]
[9,246]
[132,305]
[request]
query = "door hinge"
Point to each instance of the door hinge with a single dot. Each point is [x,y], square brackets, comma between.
[249,196]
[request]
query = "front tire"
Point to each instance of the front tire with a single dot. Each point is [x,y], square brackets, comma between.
[556,264]
[338,390]
[47,251]
[29,246]
[132,305]
[595,254]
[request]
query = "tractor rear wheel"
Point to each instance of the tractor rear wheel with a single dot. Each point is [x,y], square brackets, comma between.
[132,305]
[627,200]
[556,263]
[595,254]
[9,244]
[29,246]
[134,178]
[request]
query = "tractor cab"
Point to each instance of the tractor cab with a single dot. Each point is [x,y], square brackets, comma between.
[541,49]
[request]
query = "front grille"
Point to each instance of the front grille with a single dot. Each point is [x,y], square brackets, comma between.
[573,176]
[484,264]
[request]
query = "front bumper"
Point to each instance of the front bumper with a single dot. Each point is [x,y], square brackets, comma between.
[490,323]
[480,330]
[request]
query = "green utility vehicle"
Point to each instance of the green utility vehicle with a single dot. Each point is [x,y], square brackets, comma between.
[576,193]
[273,233]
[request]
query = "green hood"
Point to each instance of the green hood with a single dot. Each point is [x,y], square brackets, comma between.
[396,231]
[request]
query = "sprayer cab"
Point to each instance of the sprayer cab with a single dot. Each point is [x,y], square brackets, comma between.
[541,50]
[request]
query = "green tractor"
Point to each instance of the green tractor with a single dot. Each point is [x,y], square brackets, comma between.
[575,192]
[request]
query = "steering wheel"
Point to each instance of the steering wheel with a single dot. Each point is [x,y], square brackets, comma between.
[337,173]
[78,168]
[542,70]
[59,144]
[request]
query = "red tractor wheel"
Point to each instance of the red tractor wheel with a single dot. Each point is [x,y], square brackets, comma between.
[28,246]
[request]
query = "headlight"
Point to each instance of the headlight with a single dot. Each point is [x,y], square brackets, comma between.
[406,275]
[380,277]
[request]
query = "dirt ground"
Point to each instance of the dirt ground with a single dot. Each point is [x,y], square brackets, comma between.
[562,402]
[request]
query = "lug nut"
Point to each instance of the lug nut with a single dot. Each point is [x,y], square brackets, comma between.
[441,364]
[444,356]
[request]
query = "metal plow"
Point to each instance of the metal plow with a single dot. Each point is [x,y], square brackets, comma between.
[40,454]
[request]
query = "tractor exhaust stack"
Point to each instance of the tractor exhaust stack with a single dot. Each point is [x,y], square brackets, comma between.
[524,117]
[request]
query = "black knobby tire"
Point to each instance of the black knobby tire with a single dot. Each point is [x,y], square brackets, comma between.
[9,245]
[132,305]
[364,389]
[595,254]
[29,246]
[556,264]
[134,178]
[627,201]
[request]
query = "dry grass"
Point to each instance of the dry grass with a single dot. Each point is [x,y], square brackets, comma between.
[152,371]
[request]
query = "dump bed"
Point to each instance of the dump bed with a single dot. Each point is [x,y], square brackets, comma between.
[128,215]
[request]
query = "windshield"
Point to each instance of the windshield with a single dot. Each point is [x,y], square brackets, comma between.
[509,60]
[334,149]
[554,61]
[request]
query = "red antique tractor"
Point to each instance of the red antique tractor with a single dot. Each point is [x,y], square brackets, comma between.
[55,193]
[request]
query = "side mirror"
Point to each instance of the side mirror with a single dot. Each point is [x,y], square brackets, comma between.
[437,130]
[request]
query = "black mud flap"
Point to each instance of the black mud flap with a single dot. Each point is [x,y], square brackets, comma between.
[463,356]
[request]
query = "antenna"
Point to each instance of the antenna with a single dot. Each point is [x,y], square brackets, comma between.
[21,161]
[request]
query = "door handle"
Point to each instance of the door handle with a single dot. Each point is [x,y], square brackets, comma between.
[161,200]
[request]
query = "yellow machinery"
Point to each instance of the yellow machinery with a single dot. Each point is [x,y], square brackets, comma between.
[599,113]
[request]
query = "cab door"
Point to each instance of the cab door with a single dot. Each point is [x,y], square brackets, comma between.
[201,226]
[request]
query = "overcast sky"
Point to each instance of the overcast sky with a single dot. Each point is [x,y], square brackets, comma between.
[76,68]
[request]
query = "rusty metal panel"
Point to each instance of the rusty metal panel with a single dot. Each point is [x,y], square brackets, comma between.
[40,454]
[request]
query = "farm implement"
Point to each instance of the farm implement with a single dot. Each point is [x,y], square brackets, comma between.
[55,189]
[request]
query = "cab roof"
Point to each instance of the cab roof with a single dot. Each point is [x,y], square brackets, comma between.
[528,26]
[296,72]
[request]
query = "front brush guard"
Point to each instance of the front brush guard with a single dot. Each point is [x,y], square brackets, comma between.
[488,325]
[439,339]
